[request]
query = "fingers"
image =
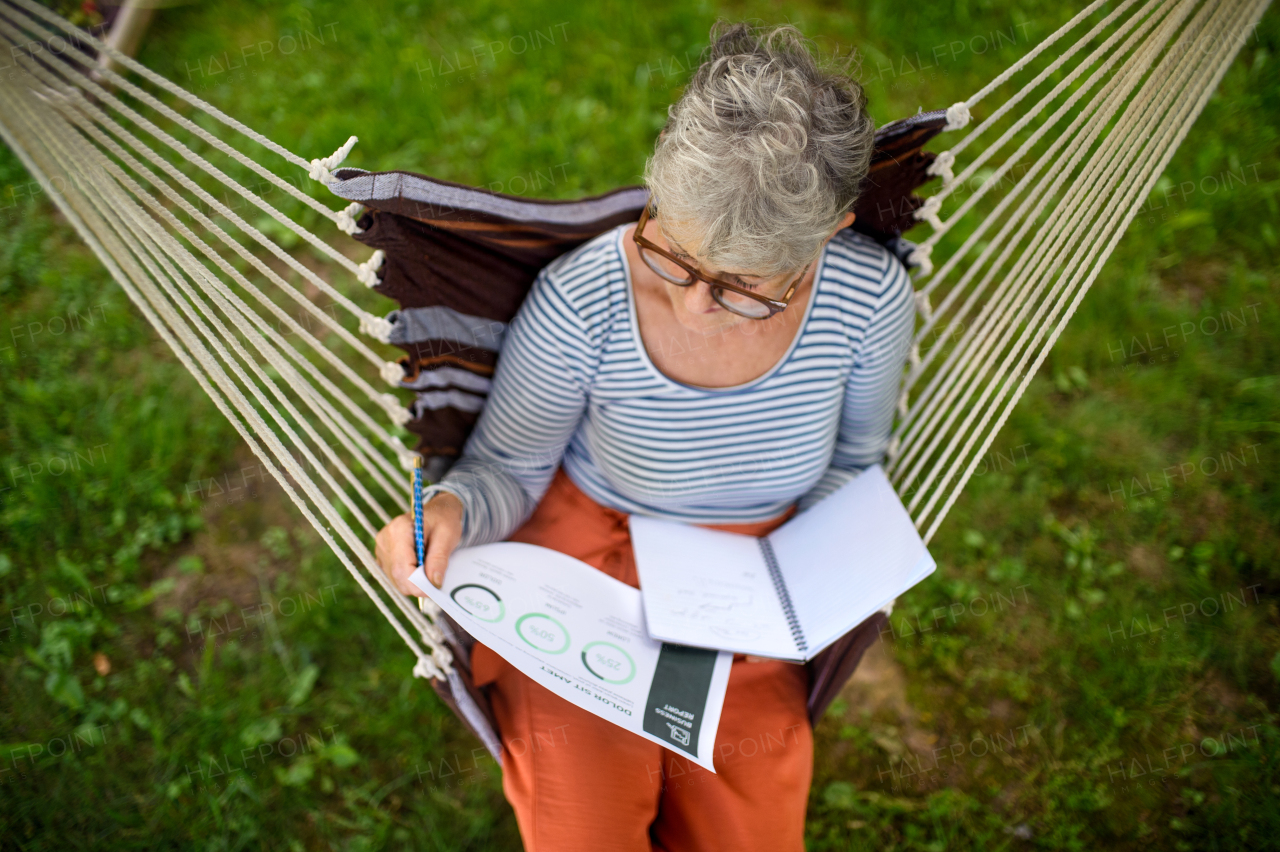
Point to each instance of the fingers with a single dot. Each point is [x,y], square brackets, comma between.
[395,542]
[396,553]
[441,542]
[396,550]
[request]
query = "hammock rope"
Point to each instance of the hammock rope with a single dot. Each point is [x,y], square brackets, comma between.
[135,234]
[948,156]
[141,70]
[942,166]
[368,320]
[104,206]
[986,334]
[1184,71]
[302,394]
[362,448]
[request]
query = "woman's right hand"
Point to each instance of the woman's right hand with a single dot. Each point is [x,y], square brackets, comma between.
[397,554]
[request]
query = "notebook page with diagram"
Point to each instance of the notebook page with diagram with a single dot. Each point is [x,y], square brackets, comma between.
[712,588]
[790,594]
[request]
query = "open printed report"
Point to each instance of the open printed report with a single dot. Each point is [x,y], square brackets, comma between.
[790,594]
[580,633]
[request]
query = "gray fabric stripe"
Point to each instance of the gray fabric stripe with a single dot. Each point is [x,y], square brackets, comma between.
[473,716]
[372,187]
[434,400]
[443,377]
[414,325]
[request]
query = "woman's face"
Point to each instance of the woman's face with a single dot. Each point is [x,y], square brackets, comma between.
[693,306]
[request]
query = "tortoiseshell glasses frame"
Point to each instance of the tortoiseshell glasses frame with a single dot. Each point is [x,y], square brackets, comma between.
[768,306]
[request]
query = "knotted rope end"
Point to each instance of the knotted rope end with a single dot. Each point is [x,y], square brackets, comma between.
[408,459]
[920,258]
[346,218]
[942,166]
[367,272]
[376,327]
[321,168]
[429,608]
[428,669]
[929,212]
[398,413]
[957,116]
[924,309]
[392,373]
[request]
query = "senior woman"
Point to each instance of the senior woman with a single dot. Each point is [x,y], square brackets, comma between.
[728,360]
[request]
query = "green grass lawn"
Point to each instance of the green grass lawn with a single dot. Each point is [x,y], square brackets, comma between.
[1095,664]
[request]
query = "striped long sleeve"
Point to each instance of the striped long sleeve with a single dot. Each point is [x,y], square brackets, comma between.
[871,391]
[536,403]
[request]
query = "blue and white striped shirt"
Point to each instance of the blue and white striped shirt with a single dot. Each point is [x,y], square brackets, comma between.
[575,386]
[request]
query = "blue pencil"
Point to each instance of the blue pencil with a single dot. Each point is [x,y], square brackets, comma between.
[418,537]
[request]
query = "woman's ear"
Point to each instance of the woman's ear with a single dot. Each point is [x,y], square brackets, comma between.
[844,223]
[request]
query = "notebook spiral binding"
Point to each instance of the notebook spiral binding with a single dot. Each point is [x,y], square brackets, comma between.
[775,574]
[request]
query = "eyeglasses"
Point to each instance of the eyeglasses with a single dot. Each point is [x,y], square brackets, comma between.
[738,298]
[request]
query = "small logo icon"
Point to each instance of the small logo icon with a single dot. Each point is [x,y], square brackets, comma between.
[679,734]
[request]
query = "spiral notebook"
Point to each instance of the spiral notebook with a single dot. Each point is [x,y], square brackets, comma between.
[790,594]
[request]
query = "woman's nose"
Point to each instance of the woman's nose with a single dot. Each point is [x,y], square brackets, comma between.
[698,299]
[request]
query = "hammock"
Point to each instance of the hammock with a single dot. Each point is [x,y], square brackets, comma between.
[1080,144]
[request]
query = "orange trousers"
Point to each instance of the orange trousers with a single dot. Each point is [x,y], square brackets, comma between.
[577,782]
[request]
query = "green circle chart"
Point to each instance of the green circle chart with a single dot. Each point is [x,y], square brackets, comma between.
[480,601]
[611,659]
[543,632]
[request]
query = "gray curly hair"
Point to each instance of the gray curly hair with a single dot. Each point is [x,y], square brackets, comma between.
[763,154]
